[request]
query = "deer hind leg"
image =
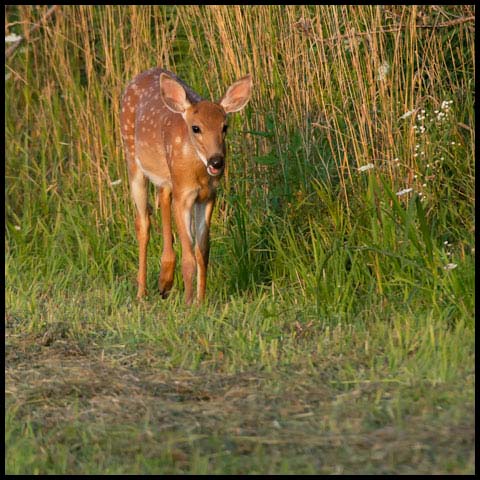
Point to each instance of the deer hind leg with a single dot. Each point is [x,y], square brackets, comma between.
[167,269]
[139,189]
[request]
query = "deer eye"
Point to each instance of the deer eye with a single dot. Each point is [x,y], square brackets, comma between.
[196,129]
[225,128]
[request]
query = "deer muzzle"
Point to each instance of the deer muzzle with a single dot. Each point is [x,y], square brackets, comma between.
[215,165]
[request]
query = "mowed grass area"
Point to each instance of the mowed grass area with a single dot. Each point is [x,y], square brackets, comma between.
[338,331]
[252,386]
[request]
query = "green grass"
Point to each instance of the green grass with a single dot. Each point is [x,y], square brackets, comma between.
[338,331]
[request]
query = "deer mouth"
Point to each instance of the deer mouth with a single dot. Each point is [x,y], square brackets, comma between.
[213,171]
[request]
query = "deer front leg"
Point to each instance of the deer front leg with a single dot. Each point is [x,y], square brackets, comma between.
[182,208]
[203,214]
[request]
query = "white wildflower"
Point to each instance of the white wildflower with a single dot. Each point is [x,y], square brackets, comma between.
[366,167]
[12,38]
[17,227]
[450,266]
[407,114]
[347,44]
[383,70]
[404,191]
[116,182]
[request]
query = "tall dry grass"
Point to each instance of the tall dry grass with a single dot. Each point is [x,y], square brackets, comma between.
[339,76]
[349,73]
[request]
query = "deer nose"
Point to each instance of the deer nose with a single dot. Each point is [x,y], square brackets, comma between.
[217,162]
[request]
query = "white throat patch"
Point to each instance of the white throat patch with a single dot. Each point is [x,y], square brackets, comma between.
[202,157]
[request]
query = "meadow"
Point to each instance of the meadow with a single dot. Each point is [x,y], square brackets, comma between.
[338,330]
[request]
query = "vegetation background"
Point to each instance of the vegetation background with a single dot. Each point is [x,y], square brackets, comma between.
[338,332]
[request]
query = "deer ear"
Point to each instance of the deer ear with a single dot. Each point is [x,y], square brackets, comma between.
[237,95]
[173,94]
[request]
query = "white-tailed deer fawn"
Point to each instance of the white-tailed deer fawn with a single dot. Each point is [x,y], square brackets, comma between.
[175,139]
